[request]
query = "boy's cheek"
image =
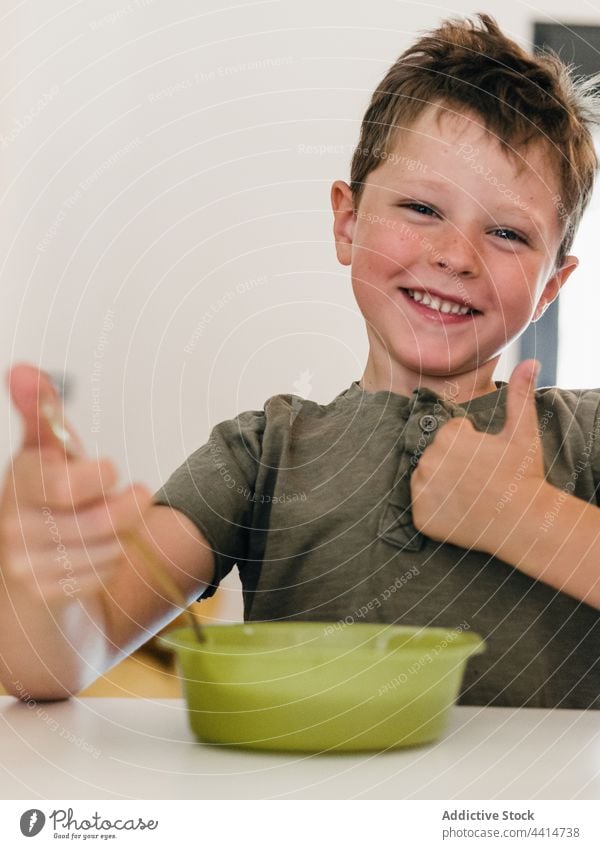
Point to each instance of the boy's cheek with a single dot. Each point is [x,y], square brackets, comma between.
[519,316]
[369,292]
[379,262]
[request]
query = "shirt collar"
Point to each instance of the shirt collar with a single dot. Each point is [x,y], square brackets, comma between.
[481,402]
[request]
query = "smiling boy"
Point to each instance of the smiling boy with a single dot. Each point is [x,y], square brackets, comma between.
[445,269]
[420,494]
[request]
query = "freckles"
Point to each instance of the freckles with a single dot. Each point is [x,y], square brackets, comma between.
[373,264]
[364,270]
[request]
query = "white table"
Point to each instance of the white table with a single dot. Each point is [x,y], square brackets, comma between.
[142,749]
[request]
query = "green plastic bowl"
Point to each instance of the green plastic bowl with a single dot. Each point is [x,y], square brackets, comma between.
[321,686]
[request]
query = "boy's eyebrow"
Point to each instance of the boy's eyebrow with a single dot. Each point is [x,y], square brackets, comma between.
[430,184]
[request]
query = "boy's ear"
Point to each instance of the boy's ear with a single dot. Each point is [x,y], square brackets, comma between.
[344,219]
[554,285]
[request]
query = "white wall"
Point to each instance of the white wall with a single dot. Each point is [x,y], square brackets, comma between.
[166,236]
[578,361]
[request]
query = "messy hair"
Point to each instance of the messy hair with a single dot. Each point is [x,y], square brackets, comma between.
[467,65]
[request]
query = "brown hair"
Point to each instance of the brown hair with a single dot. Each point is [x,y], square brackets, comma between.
[521,98]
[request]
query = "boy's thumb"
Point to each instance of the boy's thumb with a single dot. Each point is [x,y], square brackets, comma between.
[29,389]
[521,412]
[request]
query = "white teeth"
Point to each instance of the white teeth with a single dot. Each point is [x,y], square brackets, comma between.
[437,304]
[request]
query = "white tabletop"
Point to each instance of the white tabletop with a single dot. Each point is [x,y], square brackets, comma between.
[143,749]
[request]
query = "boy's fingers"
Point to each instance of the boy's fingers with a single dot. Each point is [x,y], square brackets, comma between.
[104,520]
[122,513]
[30,389]
[42,565]
[57,484]
[521,411]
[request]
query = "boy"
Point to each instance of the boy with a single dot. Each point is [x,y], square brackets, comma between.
[419,495]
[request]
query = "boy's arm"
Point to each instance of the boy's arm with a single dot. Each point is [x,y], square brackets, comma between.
[135,606]
[564,552]
[488,492]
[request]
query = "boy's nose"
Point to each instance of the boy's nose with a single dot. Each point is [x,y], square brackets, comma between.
[456,256]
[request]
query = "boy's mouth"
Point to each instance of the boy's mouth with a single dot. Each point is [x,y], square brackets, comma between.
[436,304]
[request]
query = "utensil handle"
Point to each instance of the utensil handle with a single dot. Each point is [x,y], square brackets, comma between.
[161,575]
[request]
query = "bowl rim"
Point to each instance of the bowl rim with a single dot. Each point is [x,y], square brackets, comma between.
[457,641]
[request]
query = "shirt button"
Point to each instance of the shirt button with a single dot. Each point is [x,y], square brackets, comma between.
[428,423]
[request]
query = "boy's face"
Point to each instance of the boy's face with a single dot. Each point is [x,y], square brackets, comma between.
[449,222]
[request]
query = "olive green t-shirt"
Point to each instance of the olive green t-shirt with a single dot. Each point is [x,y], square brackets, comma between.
[312,502]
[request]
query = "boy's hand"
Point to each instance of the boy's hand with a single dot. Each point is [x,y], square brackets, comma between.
[466,481]
[59,517]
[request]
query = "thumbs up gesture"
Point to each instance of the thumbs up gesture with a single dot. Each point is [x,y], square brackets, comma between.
[462,480]
[59,516]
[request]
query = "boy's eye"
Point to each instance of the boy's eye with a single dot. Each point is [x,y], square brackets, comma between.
[510,235]
[421,208]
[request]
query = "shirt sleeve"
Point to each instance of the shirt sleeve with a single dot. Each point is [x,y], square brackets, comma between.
[593,438]
[214,488]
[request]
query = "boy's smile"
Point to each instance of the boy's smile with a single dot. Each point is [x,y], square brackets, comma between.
[451,257]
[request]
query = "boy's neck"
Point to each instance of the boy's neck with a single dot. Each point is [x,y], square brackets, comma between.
[457,388]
